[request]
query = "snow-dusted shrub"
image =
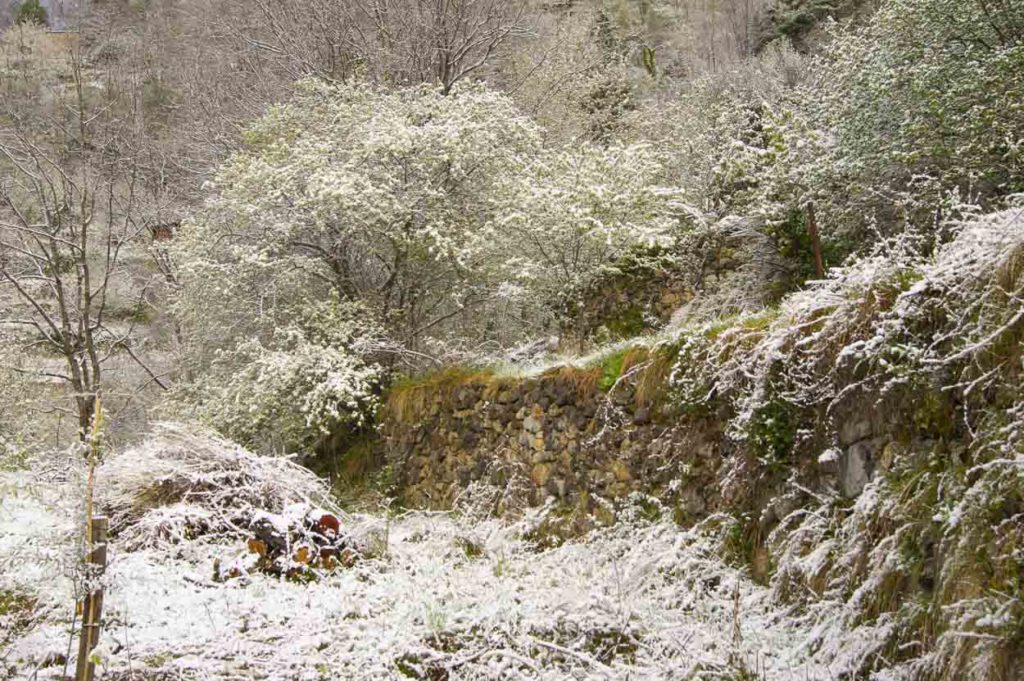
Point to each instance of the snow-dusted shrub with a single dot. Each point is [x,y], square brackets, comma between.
[906,119]
[930,87]
[920,567]
[182,483]
[921,108]
[312,378]
[879,324]
[714,118]
[574,211]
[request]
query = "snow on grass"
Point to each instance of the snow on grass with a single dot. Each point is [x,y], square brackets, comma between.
[438,594]
[37,564]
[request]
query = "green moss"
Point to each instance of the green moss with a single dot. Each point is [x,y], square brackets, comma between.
[759,321]
[611,371]
[628,323]
[771,431]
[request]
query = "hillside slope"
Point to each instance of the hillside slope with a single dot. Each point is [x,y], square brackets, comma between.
[855,509]
[859,444]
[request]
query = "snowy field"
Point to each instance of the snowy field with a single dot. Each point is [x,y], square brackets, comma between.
[445,595]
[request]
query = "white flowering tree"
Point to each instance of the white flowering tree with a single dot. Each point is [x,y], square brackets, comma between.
[575,210]
[441,220]
[378,196]
[374,200]
[311,379]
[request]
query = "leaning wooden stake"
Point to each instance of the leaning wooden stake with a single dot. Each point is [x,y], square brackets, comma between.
[92,608]
[96,561]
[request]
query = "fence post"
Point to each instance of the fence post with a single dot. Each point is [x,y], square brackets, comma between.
[92,607]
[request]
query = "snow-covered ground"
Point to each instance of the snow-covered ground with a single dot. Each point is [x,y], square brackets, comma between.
[639,600]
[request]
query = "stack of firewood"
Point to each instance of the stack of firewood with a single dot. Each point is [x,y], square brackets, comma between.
[299,547]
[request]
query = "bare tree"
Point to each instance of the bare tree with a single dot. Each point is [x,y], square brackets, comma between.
[398,42]
[69,213]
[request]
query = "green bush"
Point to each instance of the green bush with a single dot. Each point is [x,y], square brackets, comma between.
[31,12]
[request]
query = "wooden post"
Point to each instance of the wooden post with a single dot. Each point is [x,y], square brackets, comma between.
[812,231]
[92,607]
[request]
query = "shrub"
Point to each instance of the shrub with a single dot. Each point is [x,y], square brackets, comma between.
[31,12]
[309,380]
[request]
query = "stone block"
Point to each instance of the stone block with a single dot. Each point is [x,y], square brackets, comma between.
[540,474]
[857,465]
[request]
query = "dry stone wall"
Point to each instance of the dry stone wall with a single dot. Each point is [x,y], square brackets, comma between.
[563,438]
[559,439]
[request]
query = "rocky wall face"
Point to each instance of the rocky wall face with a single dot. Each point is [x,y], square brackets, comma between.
[623,307]
[559,440]
[731,266]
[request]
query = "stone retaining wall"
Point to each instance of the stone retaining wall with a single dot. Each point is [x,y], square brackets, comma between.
[564,437]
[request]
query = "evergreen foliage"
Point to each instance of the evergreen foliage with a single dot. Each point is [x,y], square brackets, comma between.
[31,12]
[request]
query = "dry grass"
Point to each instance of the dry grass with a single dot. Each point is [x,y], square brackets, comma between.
[584,380]
[652,383]
[635,357]
[1010,275]
[409,399]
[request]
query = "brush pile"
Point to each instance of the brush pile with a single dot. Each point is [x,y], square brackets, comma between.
[182,484]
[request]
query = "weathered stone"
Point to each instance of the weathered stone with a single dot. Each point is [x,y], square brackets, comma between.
[565,449]
[621,471]
[540,456]
[828,461]
[691,501]
[857,464]
[854,429]
[622,397]
[888,455]
[539,474]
